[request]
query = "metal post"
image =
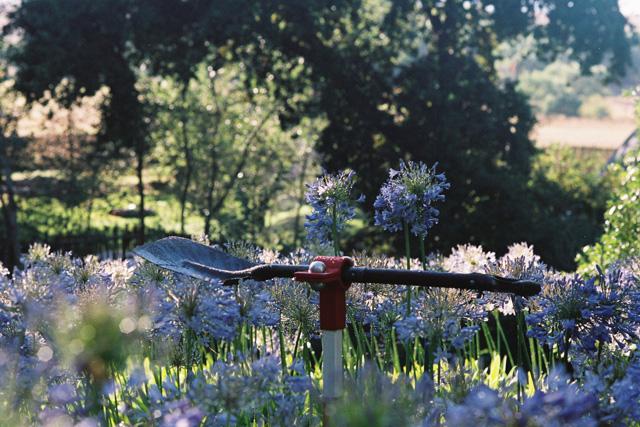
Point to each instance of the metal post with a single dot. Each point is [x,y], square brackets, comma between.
[332,364]
[325,275]
[332,375]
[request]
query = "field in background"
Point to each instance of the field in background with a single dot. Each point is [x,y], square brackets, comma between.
[606,134]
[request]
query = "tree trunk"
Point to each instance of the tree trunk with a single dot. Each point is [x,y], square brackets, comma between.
[10,216]
[141,210]
[93,191]
[296,223]
[188,160]
[212,208]
[208,211]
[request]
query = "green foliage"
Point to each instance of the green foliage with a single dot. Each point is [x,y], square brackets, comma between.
[591,28]
[559,88]
[226,147]
[569,194]
[594,107]
[620,239]
[440,103]
[86,45]
[392,79]
[578,173]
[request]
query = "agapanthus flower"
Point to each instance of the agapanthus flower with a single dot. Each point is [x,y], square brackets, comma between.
[242,249]
[631,265]
[60,417]
[521,263]
[182,413]
[375,306]
[562,404]
[63,394]
[484,406]
[443,316]
[38,252]
[625,405]
[332,199]
[298,306]
[165,402]
[217,315]
[4,273]
[468,259]
[296,303]
[587,312]
[256,303]
[408,197]
[247,390]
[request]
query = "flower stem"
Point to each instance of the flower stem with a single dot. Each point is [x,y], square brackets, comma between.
[283,355]
[334,231]
[295,346]
[407,250]
[423,256]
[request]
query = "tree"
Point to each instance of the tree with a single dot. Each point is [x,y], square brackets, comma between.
[11,159]
[620,241]
[88,44]
[417,80]
[394,79]
[223,141]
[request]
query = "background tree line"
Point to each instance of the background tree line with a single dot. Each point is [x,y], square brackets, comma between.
[221,99]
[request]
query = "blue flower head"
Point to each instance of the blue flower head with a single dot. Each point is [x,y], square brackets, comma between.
[331,198]
[582,312]
[408,197]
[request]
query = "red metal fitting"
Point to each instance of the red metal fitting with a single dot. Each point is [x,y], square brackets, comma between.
[333,303]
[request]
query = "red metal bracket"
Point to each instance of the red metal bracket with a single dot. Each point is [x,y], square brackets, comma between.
[333,303]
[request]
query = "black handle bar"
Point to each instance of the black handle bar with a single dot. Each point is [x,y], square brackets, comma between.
[471,281]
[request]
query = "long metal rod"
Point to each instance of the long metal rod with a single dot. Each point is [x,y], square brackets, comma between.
[332,375]
[471,281]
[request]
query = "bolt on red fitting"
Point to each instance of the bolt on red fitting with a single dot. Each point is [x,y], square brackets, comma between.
[333,302]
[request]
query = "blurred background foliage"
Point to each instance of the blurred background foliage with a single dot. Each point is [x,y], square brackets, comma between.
[208,117]
[619,241]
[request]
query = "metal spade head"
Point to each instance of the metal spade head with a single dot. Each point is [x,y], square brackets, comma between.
[193,259]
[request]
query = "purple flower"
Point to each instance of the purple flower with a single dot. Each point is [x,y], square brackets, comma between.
[254,391]
[62,394]
[257,305]
[217,315]
[442,316]
[626,395]
[587,312]
[182,413]
[333,205]
[408,197]
[563,404]
[519,263]
[482,405]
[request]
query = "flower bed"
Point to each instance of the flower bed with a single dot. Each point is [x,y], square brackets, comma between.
[118,342]
[126,343]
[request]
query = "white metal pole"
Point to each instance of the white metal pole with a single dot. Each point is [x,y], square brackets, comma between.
[332,376]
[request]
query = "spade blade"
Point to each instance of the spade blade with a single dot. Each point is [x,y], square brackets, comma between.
[190,258]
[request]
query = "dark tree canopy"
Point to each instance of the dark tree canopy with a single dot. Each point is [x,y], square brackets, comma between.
[395,79]
[86,43]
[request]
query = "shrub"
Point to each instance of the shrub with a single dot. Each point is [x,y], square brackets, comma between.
[622,219]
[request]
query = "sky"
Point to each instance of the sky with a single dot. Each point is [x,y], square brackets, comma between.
[630,7]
